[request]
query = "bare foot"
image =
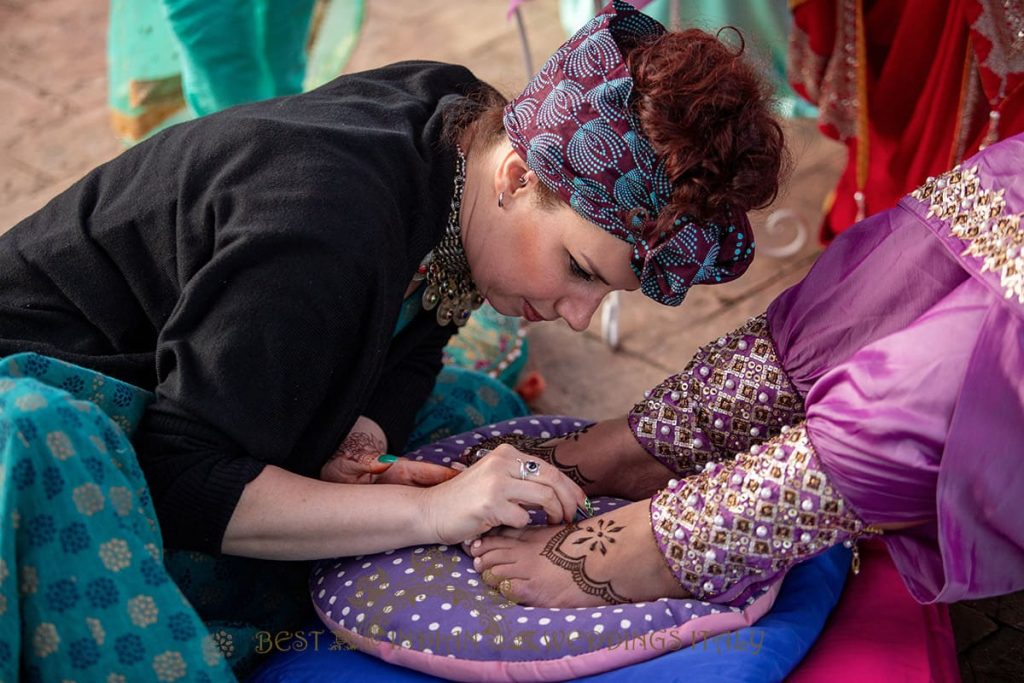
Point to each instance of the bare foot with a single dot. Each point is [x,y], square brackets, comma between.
[605,560]
[604,459]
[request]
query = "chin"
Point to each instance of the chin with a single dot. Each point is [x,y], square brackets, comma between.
[502,307]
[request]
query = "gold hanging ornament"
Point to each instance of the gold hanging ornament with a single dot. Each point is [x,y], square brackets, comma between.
[450,287]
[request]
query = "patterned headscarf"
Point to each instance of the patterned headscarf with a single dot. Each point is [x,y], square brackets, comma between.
[574,128]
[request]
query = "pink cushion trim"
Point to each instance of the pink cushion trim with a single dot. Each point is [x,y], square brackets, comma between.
[606,659]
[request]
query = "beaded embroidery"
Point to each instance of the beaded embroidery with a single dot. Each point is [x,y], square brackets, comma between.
[734,393]
[735,527]
[979,218]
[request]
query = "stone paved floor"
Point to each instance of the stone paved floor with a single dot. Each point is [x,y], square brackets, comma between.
[54,127]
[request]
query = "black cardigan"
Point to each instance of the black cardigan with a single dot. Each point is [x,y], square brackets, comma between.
[249,267]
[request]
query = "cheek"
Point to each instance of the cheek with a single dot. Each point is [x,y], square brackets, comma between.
[535,270]
[513,263]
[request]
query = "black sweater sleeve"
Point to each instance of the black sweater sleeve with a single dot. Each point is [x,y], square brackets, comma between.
[407,382]
[266,335]
[243,364]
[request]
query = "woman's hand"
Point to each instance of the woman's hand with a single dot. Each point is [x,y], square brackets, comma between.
[373,468]
[492,493]
[362,459]
[603,458]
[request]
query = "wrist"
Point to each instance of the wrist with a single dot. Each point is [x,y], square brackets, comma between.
[622,466]
[426,520]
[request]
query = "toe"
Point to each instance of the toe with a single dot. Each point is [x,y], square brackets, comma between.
[515,590]
[492,576]
[484,545]
[496,558]
[507,532]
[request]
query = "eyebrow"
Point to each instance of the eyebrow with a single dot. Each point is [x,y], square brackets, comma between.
[593,270]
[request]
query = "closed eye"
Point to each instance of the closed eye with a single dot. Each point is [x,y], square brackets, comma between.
[578,271]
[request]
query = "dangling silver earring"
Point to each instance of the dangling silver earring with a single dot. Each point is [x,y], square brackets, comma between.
[501,200]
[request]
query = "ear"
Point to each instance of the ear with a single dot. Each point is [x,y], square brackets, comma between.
[512,176]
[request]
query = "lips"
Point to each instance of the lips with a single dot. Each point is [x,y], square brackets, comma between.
[530,313]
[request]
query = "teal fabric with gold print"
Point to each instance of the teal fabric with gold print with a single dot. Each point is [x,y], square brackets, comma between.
[84,593]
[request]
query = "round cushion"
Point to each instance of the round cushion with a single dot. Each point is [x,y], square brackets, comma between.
[427,608]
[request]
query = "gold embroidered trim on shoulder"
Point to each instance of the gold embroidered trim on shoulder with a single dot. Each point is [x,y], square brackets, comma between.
[979,217]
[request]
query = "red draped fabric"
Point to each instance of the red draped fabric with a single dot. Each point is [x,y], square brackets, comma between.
[911,87]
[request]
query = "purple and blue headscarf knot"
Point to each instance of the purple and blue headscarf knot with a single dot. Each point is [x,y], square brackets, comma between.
[574,127]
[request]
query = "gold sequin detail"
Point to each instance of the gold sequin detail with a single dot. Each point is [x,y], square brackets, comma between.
[732,394]
[750,519]
[979,218]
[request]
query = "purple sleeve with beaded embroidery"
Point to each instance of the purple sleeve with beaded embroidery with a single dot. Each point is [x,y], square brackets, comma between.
[907,339]
[736,527]
[734,393]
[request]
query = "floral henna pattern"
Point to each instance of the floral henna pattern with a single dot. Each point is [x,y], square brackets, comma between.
[532,446]
[357,446]
[598,537]
[576,566]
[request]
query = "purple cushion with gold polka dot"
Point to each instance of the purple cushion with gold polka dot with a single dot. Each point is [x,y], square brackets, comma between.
[426,608]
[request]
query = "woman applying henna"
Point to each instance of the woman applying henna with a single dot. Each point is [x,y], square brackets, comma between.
[242,298]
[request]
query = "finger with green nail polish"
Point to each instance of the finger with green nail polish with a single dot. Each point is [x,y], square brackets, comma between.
[388,458]
[585,511]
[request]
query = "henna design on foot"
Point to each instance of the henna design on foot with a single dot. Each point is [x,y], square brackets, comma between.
[576,566]
[601,535]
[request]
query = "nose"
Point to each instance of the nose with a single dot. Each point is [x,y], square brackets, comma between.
[578,310]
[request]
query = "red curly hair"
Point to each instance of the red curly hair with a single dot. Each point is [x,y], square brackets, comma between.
[709,113]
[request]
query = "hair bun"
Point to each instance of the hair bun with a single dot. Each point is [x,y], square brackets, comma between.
[709,113]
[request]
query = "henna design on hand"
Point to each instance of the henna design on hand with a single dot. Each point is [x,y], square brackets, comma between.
[531,446]
[357,445]
[576,566]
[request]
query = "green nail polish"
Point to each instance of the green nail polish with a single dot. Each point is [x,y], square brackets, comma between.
[585,511]
[388,459]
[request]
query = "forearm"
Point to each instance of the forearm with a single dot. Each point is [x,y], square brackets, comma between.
[285,516]
[604,458]
[612,461]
